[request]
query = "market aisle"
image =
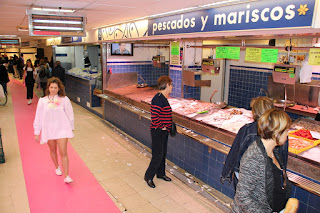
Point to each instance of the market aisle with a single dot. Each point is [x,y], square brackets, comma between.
[46,191]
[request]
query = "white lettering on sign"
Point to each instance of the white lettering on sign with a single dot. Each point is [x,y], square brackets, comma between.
[174,24]
[204,22]
[236,17]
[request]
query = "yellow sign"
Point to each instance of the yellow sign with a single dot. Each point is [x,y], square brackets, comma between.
[253,54]
[314,56]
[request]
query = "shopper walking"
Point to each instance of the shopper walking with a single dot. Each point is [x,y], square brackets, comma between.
[59,72]
[161,122]
[245,137]
[29,79]
[43,73]
[14,64]
[4,77]
[55,121]
[263,184]
[20,65]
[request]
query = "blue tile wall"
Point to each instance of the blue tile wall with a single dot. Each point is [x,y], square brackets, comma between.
[77,87]
[145,69]
[176,76]
[192,92]
[193,156]
[245,84]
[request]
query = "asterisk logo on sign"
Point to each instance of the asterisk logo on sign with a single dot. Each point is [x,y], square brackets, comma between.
[303,9]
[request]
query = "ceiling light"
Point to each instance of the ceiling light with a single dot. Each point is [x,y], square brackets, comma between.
[56,28]
[21,29]
[57,21]
[8,35]
[54,10]
[218,3]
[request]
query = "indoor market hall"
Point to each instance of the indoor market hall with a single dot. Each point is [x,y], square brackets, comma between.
[107,167]
[160,106]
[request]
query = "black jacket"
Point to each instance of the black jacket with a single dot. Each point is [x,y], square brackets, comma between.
[246,135]
[4,74]
[59,72]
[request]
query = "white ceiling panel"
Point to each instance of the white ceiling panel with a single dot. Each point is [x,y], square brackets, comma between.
[99,12]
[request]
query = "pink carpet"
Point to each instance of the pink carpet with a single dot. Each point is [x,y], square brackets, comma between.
[47,192]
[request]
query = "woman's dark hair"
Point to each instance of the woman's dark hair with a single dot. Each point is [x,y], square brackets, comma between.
[273,123]
[30,63]
[163,81]
[61,92]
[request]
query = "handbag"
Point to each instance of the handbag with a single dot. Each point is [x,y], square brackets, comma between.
[173,130]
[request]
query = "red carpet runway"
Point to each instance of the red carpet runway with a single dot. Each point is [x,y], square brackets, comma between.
[47,192]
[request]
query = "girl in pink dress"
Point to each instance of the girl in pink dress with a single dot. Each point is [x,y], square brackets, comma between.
[54,119]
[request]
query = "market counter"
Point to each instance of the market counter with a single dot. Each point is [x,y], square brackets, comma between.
[80,91]
[199,148]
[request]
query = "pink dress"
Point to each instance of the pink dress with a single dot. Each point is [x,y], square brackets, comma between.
[54,118]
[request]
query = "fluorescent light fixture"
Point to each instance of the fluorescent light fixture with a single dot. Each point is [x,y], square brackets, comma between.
[54,10]
[218,3]
[8,35]
[56,28]
[21,29]
[56,21]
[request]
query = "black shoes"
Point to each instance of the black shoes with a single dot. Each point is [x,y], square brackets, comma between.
[166,178]
[149,182]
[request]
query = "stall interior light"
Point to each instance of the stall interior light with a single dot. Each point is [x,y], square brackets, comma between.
[54,10]
[56,28]
[218,3]
[56,21]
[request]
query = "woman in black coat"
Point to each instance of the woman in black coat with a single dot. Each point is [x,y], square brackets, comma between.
[4,77]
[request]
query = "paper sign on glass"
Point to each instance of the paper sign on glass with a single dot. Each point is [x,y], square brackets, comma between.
[269,55]
[253,54]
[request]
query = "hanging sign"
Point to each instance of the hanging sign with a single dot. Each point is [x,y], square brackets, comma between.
[314,56]
[175,53]
[233,53]
[269,55]
[253,54]
[264,14]
[221,52]
[228,52]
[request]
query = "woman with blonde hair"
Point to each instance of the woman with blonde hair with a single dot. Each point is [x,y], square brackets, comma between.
[247,135]
[263,183]
[55,121]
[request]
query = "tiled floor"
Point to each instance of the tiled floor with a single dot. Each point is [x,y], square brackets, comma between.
[115,162]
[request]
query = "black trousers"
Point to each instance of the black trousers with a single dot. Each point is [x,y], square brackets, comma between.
[20,70]
[159,152]
[30,86]
[44,87]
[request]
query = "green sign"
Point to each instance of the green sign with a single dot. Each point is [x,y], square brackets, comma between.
[269,55]
[233,53]
[175,48]
[314,56]
[221,52]
[253,54]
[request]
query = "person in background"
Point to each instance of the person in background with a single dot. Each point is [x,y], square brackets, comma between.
[59,72]
[20,65]
[161,122]
[54,119]
[4,77]
[48,66]
[29,79]
[10,65]
[247,135]
[43,73]
[263,183]
[51,63]
[14,64]
[37,61]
